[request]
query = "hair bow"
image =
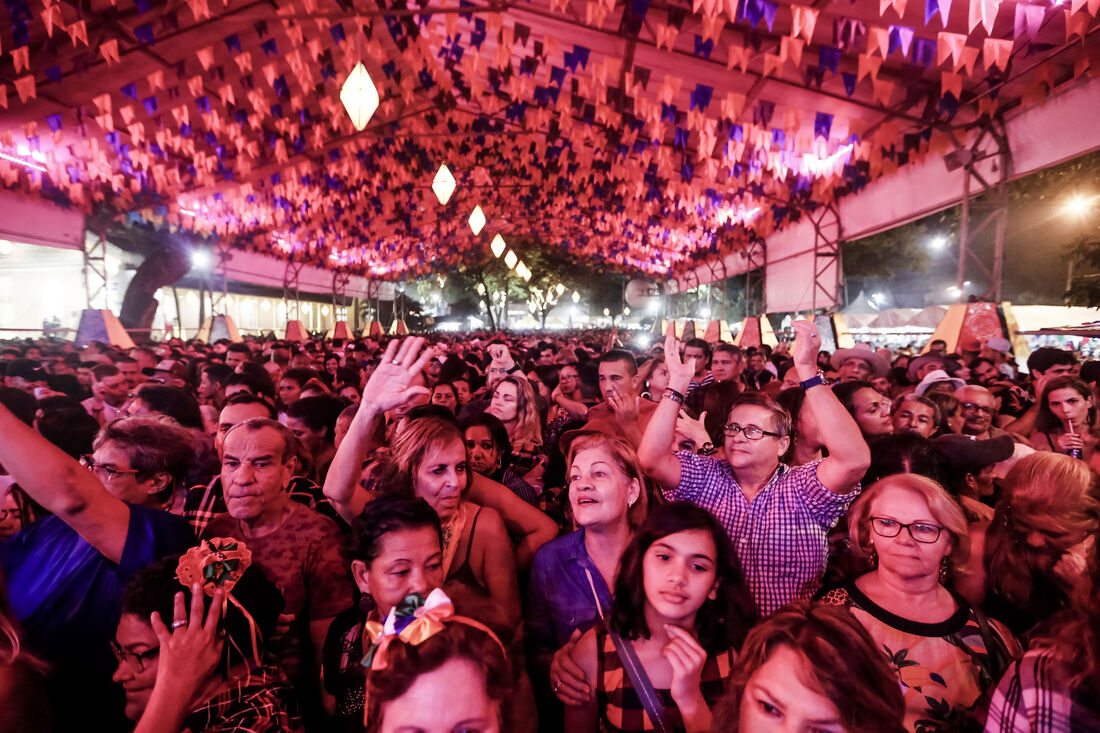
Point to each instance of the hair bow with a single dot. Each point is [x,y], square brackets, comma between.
[216,563]
[414,620]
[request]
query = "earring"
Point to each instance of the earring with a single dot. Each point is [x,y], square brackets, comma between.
[874,556]
[944,570]
[366,603]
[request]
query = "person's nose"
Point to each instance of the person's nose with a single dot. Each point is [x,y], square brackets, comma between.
[245,474]
[418,582]
[677,576]
[122,673]
[1036,539]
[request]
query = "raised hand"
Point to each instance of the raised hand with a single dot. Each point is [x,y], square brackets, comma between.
[389,384]
[696,430]
[500,355]
[807,343]
[679,373]
[686,658]
[191,649]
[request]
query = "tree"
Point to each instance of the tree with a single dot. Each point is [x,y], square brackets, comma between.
[1083,287]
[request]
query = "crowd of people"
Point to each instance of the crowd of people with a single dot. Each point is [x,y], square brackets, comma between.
[503,532]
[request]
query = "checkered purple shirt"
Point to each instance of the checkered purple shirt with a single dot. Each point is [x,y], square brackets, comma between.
[781,538]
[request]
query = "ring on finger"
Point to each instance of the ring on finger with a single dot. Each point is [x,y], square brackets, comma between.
[178,623]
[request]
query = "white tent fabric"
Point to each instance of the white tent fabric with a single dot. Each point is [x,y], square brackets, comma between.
[1038,317]
[894,318]
[929,317]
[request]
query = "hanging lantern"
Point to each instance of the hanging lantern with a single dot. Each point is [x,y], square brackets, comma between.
[576,297]
[526,274]
[477,220]
[498,246]
[511,259]
[559,289]
[444,184]
[359,96]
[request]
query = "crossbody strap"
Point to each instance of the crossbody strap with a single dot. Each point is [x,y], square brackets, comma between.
[633,667]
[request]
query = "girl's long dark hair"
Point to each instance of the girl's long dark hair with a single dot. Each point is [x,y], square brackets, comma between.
[722,622]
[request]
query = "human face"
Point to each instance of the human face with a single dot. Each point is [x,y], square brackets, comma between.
[568,380]
[482,451]
[351,394]
[504,404]
[902,556]
[131,372]
[979,416]
[311,439]
[984,374]
[452,697]
[12,520]
[441,477]
[113,390]
[928,367]
[957,421]
[546,356]
[114,470]
[914,417]
[723,365]
[615,377]
[234,359]
[696,353]
[332,363]
[854,369]
[408,561]
[743,453]
[463,389]
[599,491]
[274,370]
[1058,370]
[658,380]
[446,397]
[1069,406]
[289,391]
[232,415]
[207,388]
[135,636]
[756,362]
[84,376]
[494,376]
[254,474]
[872,412]
[776,701]
[1043,534]
[679,572]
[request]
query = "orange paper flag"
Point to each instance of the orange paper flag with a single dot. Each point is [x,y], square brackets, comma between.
[78,31]
[109,49]
[20,58]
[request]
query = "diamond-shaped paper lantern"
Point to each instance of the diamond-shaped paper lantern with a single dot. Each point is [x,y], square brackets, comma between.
[498,246]
[559,289]
[477,220]
[444,184]
[576,297]
[359,96]
[526,274]
[511,259]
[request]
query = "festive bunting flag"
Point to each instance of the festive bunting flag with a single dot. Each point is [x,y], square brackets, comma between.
[984,12]
[109,50]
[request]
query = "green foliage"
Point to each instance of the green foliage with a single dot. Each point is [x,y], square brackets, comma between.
[1084,287]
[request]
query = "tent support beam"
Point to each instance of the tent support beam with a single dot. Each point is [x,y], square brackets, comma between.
[989,206]
[827,237]
[291,287]
[219,299]
[95,269]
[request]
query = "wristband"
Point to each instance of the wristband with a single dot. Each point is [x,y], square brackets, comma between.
[673,395]
[515,368]
[814,381]
[708,449]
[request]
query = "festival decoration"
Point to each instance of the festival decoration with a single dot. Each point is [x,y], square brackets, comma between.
[510,259]
[728,122]
[497,246]
[218,564]
[477,220]
[444,184]
[359,96]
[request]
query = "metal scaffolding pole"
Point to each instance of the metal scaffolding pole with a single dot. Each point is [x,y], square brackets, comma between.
[989,204]
[827,276]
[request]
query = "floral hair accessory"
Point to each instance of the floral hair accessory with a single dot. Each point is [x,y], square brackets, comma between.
[219,563]
[413,621]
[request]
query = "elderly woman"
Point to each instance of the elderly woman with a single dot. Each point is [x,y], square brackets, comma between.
[1026,564]
[572,576]
[945,654]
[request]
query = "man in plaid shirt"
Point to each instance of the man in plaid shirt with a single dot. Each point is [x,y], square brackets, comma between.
[777,517]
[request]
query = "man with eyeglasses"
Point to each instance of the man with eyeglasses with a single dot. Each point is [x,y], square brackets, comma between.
[777,517]
[979,407]
[65,573]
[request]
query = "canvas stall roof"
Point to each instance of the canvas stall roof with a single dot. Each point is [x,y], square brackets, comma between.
[641,136]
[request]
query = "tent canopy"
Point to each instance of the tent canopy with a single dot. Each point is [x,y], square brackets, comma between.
[643,137]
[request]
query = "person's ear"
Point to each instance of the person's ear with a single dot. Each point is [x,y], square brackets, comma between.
[361,575]
[634,492]
[713,595]
[157,483]
[784,444]
[635,382]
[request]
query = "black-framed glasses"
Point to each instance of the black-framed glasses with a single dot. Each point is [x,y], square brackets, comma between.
[107,473]
[751,431]
[134,659]
[972,407]
[925,532]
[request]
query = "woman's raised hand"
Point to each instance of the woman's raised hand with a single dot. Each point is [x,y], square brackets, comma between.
[686,657]
[679,373]
[191,649]
[401,364]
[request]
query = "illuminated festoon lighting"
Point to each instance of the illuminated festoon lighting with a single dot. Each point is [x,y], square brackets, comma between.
[576,297]
[477,220]
[20,161]
[498,245]
[444,184]
[559,289]
[200,260]
[511,259]
[359,96]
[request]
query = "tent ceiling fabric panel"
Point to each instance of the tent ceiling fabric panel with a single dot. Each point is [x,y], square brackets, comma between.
[645,137]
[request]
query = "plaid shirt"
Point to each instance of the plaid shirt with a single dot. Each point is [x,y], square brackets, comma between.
[781,538]
[263,702]
[1034,696]
[203,503]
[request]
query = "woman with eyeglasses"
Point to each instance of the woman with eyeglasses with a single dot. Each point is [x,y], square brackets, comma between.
[945,653]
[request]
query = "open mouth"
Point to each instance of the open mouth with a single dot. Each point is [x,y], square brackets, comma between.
[586,500]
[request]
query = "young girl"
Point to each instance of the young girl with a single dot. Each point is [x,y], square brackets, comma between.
[681,606]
